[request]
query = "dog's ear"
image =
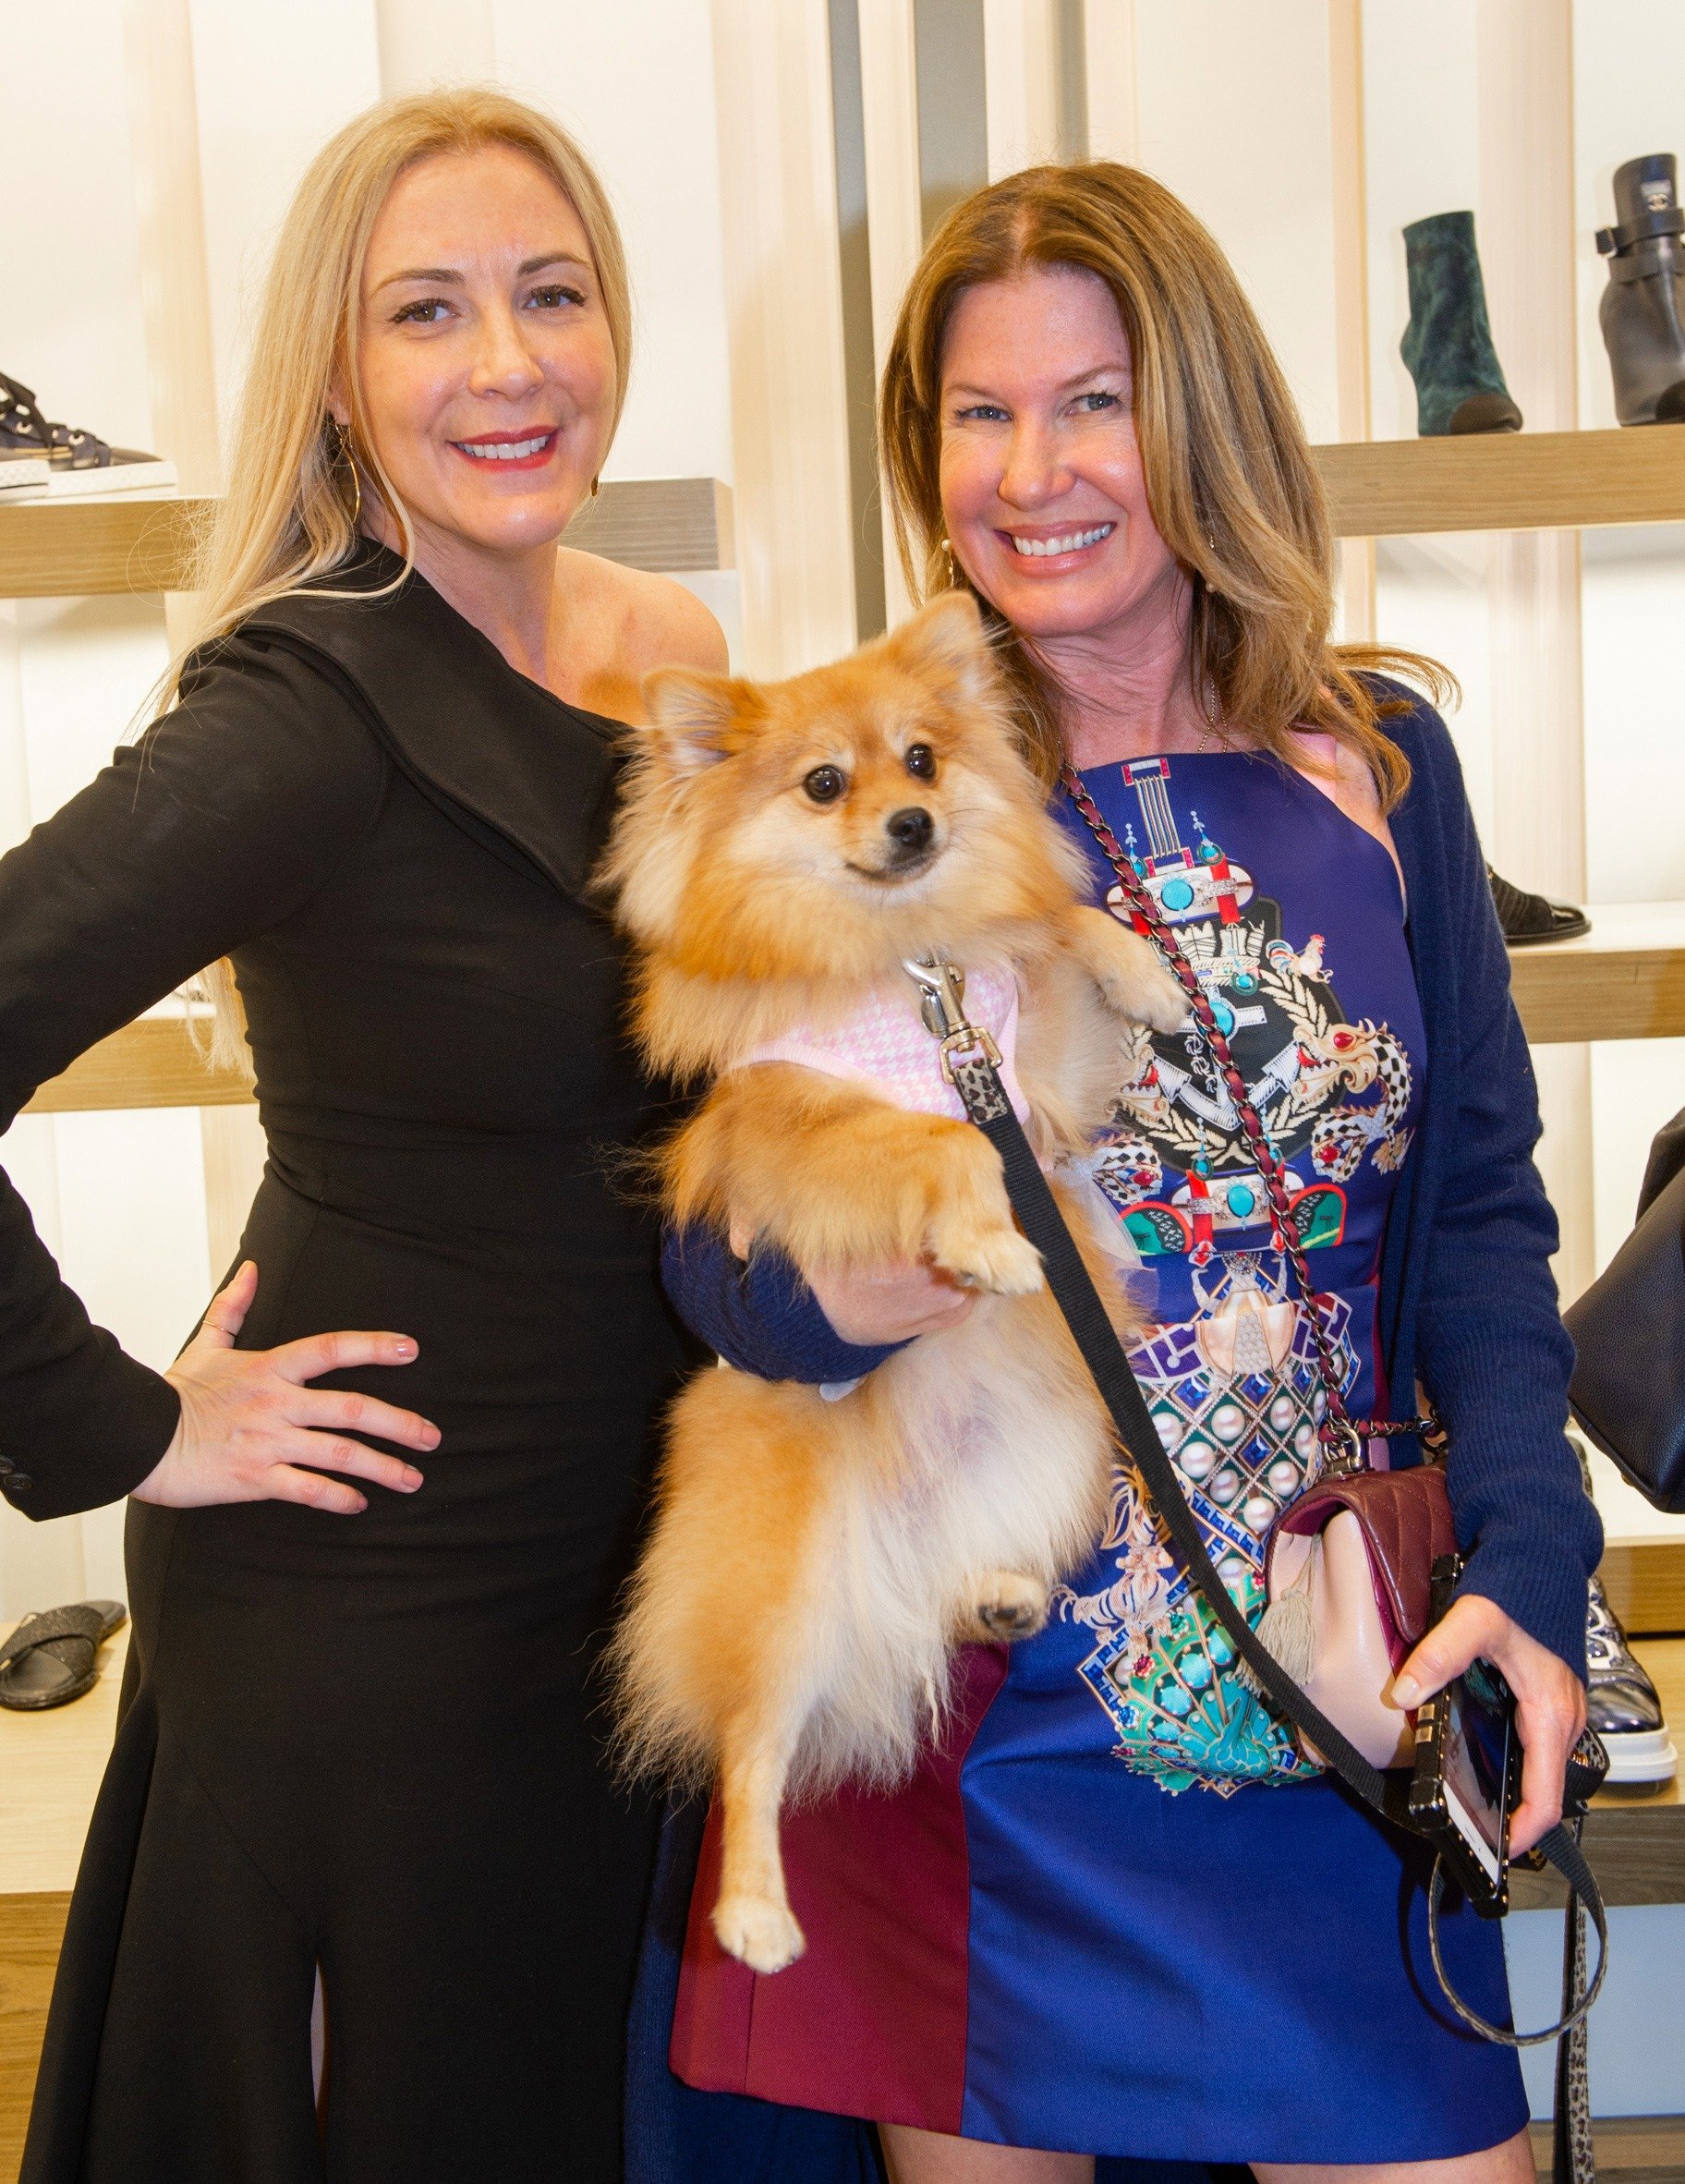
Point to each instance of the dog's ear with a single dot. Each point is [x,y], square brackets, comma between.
[946,642]
[688,714]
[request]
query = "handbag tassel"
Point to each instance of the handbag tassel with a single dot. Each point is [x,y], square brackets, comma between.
[1288,1629]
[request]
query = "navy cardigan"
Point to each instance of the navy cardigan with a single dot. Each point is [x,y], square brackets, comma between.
[1468,1303]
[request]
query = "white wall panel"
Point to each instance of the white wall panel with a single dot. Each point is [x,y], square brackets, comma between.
[636,83]
[1246,144]
[1422,132]
[424,42]
[73,328]
[778,195]
[272,84]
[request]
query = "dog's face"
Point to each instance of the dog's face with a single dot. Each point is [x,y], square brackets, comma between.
[830,824]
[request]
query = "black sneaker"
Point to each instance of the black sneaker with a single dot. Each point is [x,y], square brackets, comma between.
[1622,1703]
[23,430]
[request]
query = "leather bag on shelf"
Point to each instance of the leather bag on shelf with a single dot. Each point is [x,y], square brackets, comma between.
[1629,1386]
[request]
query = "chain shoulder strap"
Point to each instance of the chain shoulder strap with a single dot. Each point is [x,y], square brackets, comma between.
[1341,1436]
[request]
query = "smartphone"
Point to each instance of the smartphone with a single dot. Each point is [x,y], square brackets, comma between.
[1467,1778]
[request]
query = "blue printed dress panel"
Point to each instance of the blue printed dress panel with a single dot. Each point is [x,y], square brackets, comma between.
[1118,1912]
[1320,1011]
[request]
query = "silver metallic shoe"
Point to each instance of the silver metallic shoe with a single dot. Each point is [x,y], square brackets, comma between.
[1622,1703]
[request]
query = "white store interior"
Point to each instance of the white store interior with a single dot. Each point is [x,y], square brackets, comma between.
[759,154]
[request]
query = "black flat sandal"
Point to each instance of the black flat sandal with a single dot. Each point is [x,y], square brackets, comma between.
[53,1658]
[1528,920]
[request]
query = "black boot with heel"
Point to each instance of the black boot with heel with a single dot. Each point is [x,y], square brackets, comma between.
[1643,310]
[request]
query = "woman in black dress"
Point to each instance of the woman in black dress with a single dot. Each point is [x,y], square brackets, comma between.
[359,1763]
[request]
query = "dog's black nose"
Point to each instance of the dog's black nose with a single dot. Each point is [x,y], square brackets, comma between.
[910,830]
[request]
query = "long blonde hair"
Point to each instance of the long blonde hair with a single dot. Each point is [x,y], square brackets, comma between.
[290,514]
[1228,474]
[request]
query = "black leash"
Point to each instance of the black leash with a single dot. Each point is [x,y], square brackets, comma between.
[970,1063]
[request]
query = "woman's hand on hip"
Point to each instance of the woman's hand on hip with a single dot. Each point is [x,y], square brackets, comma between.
[251,1430]
[1549,1700]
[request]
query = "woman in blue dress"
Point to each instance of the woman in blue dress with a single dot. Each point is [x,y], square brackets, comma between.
[1118,1913]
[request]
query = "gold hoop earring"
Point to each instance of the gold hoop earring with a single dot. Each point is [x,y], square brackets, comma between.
[948,563]
[596,487]
[342,450]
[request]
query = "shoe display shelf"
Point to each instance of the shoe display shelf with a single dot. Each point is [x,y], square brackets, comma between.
[1627,2149]
[144,543]
[1625,978]
[1504,481]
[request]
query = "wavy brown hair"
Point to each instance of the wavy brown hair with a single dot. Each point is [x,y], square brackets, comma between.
[1228,474]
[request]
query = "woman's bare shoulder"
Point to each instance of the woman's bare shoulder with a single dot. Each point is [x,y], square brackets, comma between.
[622,623]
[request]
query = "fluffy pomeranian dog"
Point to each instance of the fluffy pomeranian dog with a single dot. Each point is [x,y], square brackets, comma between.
[782,849]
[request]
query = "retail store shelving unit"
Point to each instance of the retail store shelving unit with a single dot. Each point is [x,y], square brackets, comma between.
[140,543]
[1505,481]
[1626,979]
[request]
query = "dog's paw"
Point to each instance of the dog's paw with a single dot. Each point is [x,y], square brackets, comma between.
[1140,988]
[757,1932]
[993,1259]
[1131,976]
[1011,1606]
[1159,1002]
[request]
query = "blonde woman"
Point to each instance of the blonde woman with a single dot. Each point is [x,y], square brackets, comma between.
[1118,1913]
[359,1891]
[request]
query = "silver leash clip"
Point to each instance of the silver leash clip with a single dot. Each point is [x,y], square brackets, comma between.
[941,1006]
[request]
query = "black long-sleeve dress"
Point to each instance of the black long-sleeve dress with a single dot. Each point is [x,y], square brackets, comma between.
[371,1744]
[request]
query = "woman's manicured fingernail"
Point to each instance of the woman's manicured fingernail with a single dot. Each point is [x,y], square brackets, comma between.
[405,1347]
[412,1478]
[1407,1690]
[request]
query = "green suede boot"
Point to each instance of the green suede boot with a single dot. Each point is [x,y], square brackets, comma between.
[1447,344]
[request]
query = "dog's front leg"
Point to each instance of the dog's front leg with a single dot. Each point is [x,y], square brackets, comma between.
[1127,970]
[752,1916]
[837,1177]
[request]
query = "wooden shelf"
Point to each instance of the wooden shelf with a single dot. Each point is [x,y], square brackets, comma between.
[1625,979]
[1627,2149]
[154,1061]
[54,548]
[1505,481]
[1644,1580]
[132,544]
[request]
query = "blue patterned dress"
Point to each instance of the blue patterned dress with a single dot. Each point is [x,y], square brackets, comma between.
[1118,1912]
